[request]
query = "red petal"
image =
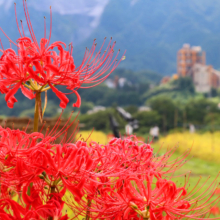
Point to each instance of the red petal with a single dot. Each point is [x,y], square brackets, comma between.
[28,93]
[5,216]
[3,89]
[43,42]
[63,99]
[78,102]
[9,97]
[35,76]
[52,67]
[27,199]
[73,189]
[65,217]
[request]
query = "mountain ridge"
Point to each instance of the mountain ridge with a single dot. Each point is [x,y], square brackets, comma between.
[150,31]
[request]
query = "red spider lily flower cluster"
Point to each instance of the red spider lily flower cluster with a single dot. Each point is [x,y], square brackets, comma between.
[35,68]
[42,174]
[148,198]
[123,179]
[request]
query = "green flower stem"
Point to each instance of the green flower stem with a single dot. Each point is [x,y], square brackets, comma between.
[36,119]
[52,190]
[88,212]
[36,112]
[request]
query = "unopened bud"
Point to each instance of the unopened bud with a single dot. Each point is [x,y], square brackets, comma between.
[41,177]
[133,205]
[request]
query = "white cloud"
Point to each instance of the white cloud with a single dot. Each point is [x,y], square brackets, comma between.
[92,8]
[133,2]
[6,4]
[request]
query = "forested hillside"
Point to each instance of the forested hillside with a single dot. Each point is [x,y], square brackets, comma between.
[151,32]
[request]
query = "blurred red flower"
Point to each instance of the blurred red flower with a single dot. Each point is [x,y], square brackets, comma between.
[217,191]
[215,210]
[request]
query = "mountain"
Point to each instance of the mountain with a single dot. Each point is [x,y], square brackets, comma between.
[151,32]
[72,20]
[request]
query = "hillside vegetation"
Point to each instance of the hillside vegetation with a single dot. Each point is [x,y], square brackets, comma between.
[151,32]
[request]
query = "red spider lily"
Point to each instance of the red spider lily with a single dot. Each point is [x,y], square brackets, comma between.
[35,158]
[38,67]
[151,198]
[215,210]
[24,157]
[20,213]
[217,191]
[122,179]
[132,156]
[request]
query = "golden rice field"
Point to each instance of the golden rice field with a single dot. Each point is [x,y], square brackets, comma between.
[204,146]
[89,136]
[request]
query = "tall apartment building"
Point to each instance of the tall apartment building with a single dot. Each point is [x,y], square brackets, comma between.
[188,56]
[191,61]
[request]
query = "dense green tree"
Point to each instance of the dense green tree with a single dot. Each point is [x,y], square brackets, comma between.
[184,83]
[166,109]
[197,109]
[147,120]
[132,109]
[98,121]
[137,77]
[143,87]
[212,120]
[214,92]
[86,106]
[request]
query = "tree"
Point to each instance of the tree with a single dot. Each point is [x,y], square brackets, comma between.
[185,84]
[197,109]
[147,120]
[86,106]
[166,109]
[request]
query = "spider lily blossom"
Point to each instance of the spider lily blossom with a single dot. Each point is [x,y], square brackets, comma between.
[120,180]
[41,174]
[151,198]
[37,67]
